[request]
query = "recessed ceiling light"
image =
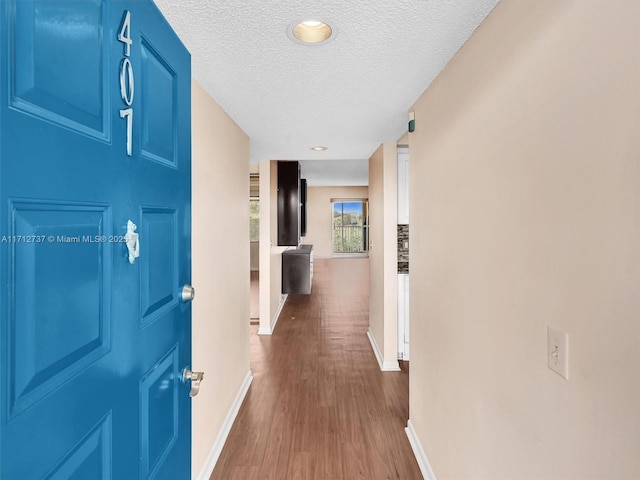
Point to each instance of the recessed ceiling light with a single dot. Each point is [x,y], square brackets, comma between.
[312,31]
[318,148]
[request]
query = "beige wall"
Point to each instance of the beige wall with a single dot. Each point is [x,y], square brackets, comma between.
[319,215]
[270,253]
[220,267]
[525,201]
[376,256]
[383,280]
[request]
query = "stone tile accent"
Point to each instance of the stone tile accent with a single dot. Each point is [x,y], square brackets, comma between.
[403,253]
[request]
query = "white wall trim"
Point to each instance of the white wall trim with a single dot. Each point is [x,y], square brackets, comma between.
[270,329]
[216,448]
[421,457]
[385,366]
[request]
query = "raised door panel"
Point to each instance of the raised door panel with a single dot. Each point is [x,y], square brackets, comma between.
[159,107]
[59,322]
[63,85]
[92,346]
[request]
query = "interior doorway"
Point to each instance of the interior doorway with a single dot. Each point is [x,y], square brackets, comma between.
[254,246]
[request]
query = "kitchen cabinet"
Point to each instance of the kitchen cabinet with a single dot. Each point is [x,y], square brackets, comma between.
[288,203]
[297,269]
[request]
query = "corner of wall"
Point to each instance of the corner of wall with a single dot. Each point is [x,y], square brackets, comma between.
[383,302]
[385,365]
[418,451]
[276,316]
[390,247]
[223,433]
[219,269]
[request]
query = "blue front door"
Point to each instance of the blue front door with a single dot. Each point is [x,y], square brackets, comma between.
[95,132]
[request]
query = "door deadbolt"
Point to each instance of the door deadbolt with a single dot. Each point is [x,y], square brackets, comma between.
[187,294]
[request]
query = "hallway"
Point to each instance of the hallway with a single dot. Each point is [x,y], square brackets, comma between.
[319,406]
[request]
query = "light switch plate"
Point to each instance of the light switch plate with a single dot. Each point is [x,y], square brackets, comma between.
[558,352]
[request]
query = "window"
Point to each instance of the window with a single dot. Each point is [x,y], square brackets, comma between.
[254,220]
[254,207]
[350,226]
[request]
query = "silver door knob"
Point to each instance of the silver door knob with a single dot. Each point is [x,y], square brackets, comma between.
[187,293]
[195,378]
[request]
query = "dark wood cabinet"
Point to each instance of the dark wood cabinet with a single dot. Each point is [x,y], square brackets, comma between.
[288,203]
[297,269]
[303,207]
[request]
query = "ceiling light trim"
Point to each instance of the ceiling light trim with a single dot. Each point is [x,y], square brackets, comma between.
[316,20]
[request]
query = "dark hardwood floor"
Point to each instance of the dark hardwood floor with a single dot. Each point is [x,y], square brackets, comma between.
[319,407]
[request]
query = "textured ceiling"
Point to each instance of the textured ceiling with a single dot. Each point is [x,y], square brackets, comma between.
[350,93]
[335,173]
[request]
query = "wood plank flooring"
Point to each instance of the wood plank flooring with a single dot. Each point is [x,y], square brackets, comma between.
[319,407]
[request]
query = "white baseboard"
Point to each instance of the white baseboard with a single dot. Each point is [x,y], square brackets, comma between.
[385,366]
[421,457]
[270,329]
[216,448]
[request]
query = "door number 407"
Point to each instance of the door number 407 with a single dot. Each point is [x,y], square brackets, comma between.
[127,83]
